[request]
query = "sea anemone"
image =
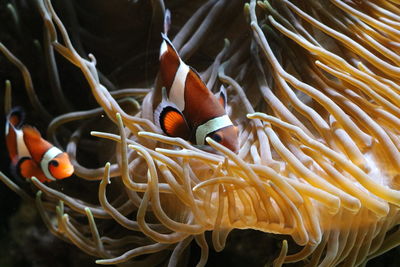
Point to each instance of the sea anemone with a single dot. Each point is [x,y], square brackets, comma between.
[313,87]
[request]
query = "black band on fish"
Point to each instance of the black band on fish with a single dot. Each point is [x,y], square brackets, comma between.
[18,166]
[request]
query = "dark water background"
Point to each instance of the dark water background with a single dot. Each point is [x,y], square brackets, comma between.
[25,242]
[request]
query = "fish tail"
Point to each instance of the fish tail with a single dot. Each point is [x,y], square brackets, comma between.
[16,117]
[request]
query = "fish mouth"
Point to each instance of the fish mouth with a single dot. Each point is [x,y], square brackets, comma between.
[67,171]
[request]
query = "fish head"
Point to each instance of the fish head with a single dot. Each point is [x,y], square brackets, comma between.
[61,167]
[228,137]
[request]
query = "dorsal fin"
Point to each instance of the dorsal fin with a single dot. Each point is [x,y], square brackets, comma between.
[195,84]
[222,97]
[31,132]
[169,62]
[169,43]
[36,145]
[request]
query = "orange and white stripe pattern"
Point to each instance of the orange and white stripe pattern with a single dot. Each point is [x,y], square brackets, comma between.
[188,108]
[31,155]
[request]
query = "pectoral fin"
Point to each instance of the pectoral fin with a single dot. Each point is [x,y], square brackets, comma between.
[171,120]
[28,168]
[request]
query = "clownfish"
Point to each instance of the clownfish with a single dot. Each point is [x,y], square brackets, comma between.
[188,109]
[31,155]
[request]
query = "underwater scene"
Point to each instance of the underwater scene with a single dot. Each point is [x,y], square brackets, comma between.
[199,133]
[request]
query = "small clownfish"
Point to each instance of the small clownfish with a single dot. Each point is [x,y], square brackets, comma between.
[31,155]
[188,109]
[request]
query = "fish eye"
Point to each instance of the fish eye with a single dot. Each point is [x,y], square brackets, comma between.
[54,163]
[216,137]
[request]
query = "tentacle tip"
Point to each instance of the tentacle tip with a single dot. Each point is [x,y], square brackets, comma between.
[304,148]
[107,172]
[59,210]
[132,146]
[102,262]
[35,180]
[226,42]
[334,210]
[39,194]
[262,4]
[195,188]
[246,9]
[252,115]
[355,208]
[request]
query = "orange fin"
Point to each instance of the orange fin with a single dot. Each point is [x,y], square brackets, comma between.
[28,168]
[36,145]
[171,120]
[169,43]
[31,132]
[194,83]
[169,62]
[173,123]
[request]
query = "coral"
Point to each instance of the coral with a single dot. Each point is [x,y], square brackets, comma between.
[313,88]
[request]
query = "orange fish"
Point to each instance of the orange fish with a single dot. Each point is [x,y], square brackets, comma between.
[31,155]
[188,109]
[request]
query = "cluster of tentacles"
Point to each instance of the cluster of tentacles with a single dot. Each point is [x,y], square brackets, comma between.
[313,87]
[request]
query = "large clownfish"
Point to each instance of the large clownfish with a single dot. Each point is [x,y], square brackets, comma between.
[188,109]
[31,155]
